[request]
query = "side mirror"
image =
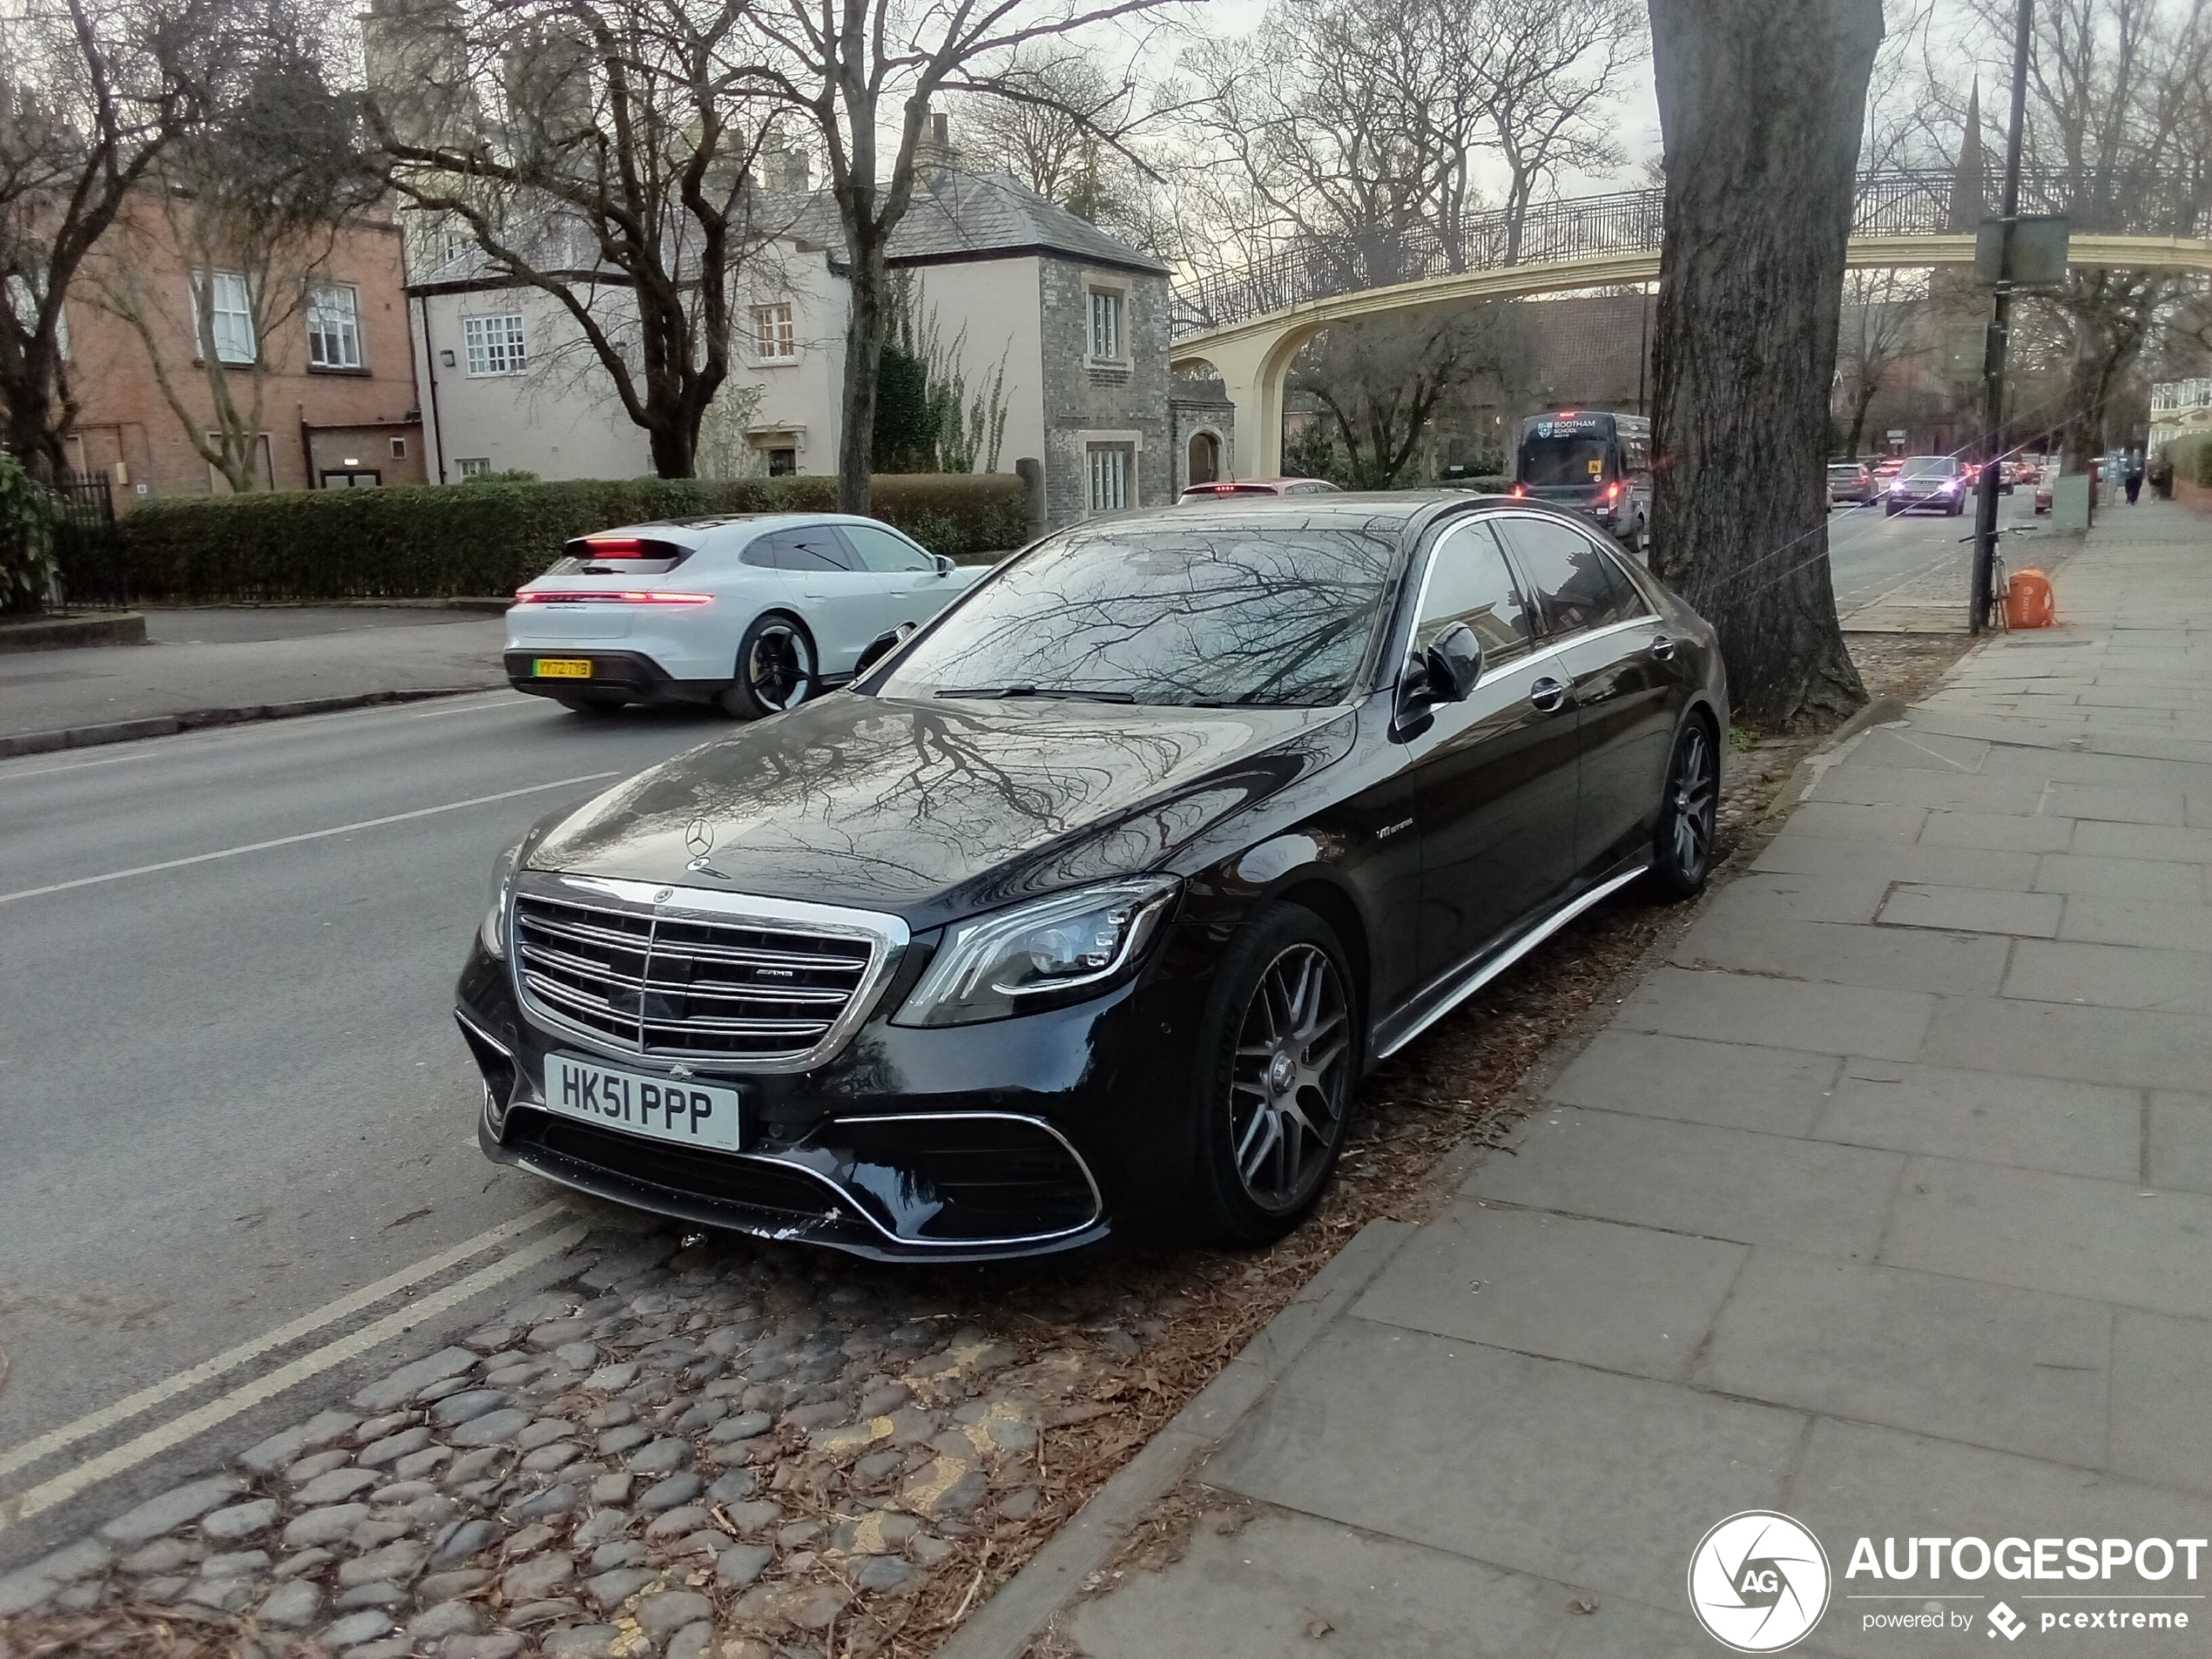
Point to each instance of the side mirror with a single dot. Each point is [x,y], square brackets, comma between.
[946,565]
[880,647]
[1452,665]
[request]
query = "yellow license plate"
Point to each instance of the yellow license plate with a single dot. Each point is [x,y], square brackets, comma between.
[563,668]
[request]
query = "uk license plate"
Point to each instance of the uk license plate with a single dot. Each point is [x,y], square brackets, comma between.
[663,1109]
[563,668]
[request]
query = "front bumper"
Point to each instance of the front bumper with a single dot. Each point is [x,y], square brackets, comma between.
[630,676]
[1013,1137]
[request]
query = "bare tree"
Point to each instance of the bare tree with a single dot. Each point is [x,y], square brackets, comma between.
[857,69]
[599,153]
[254,201]
[1382,380]
[1883,328]
[1543,75]
[2120,99]
[1761,103]
[91,93]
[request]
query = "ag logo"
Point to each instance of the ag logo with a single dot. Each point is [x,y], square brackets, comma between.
[1758,1581]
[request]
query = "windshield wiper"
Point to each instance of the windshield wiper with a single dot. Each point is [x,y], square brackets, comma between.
[1033,691]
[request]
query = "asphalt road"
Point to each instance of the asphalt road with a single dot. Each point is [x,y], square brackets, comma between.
[1871,556]
[233,1089]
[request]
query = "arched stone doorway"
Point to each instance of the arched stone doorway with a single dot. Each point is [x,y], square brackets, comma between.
[1205,458]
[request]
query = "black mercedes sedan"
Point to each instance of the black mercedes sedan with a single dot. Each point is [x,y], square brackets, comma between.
[1085,909]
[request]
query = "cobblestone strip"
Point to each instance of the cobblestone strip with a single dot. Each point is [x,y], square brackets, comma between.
[671,1457]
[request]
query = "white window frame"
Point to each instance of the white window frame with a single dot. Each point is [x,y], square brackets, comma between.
[334,326]
[1109,475]
[231,316]
[474,466]
[493,346]
[1106,307]
[775,332]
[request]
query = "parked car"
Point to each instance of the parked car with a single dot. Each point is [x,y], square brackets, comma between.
[754,614]
[1222,489]
[1938,481]
[1086,908]
[1887,468]
[2049,476]
[1849,481]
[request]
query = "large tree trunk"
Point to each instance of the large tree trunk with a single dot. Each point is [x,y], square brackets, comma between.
[864,330]
[1760,105]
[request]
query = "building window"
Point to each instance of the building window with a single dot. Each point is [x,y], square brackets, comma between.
[230,314]
[1113,468]
[494,344]
[775,338]
[1106,325]
[783,461]
[399,449]
[475,465]
[333,328]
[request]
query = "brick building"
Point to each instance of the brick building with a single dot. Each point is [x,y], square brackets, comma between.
[338,399]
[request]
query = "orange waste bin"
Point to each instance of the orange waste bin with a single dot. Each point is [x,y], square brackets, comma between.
[2028,602]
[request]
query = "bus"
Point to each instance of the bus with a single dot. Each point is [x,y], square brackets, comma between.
[1592,460]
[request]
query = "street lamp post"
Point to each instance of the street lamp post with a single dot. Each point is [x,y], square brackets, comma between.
[2000,321]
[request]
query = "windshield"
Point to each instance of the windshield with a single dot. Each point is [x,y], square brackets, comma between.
[1562,461]
[1150,614]
[1844,473]
[1929,467]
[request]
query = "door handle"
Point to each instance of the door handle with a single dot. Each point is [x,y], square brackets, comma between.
[1548,695]
[1662,648]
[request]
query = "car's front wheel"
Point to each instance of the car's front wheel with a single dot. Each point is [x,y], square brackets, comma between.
[1279,1057]
[776,668]
[1688,812]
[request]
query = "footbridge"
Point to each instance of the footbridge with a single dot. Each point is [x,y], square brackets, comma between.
[1248,327]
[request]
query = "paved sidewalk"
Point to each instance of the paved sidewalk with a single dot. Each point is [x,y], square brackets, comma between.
[244,658]
[1885,1203]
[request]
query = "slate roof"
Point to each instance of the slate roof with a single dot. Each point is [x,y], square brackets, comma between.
[961,216]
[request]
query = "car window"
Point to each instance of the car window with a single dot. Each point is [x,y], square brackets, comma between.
[1159,615]
[881,550]
[1575,584]
[1929,467]
[1468,581]
[817,547]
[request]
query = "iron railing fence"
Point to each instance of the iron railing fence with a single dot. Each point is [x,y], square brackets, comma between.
[87,543]
[1903,202]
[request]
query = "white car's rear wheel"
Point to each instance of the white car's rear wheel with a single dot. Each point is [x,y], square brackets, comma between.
[776,668]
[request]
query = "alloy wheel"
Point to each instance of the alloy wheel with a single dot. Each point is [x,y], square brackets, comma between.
[1289,1088]
[1693,802]
[780,668]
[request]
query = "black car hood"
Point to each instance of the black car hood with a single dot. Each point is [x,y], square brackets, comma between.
[935,810]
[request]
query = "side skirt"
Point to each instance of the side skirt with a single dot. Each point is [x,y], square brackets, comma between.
[1459,983]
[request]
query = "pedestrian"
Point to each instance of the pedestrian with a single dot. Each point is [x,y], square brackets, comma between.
[2135,478]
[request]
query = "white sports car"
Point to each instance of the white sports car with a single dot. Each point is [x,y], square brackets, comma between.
[754,614]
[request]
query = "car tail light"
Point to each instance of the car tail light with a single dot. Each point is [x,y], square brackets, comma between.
[615,547]
[632,596]
[1520,489]
[1613,490]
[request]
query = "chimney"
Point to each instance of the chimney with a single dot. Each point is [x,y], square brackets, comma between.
[933,155]
[786,170]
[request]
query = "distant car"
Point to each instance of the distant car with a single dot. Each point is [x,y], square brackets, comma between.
[752,614]
[1224,489]
[1925,482]
[1849,481]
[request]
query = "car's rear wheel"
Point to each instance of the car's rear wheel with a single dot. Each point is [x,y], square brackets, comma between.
[1688,812]
[776,668]
[1279,1055]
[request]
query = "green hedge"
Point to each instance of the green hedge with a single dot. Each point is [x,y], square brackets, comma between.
[491,538]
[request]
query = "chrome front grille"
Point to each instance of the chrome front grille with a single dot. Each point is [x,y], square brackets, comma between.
[680,974]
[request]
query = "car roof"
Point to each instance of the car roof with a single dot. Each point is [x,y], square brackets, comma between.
[751,524]
[1403,512]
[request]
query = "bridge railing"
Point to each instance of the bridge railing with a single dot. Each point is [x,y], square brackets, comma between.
[1320,266]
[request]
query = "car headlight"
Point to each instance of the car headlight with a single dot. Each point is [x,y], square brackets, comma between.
[996,965]
[492,931]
